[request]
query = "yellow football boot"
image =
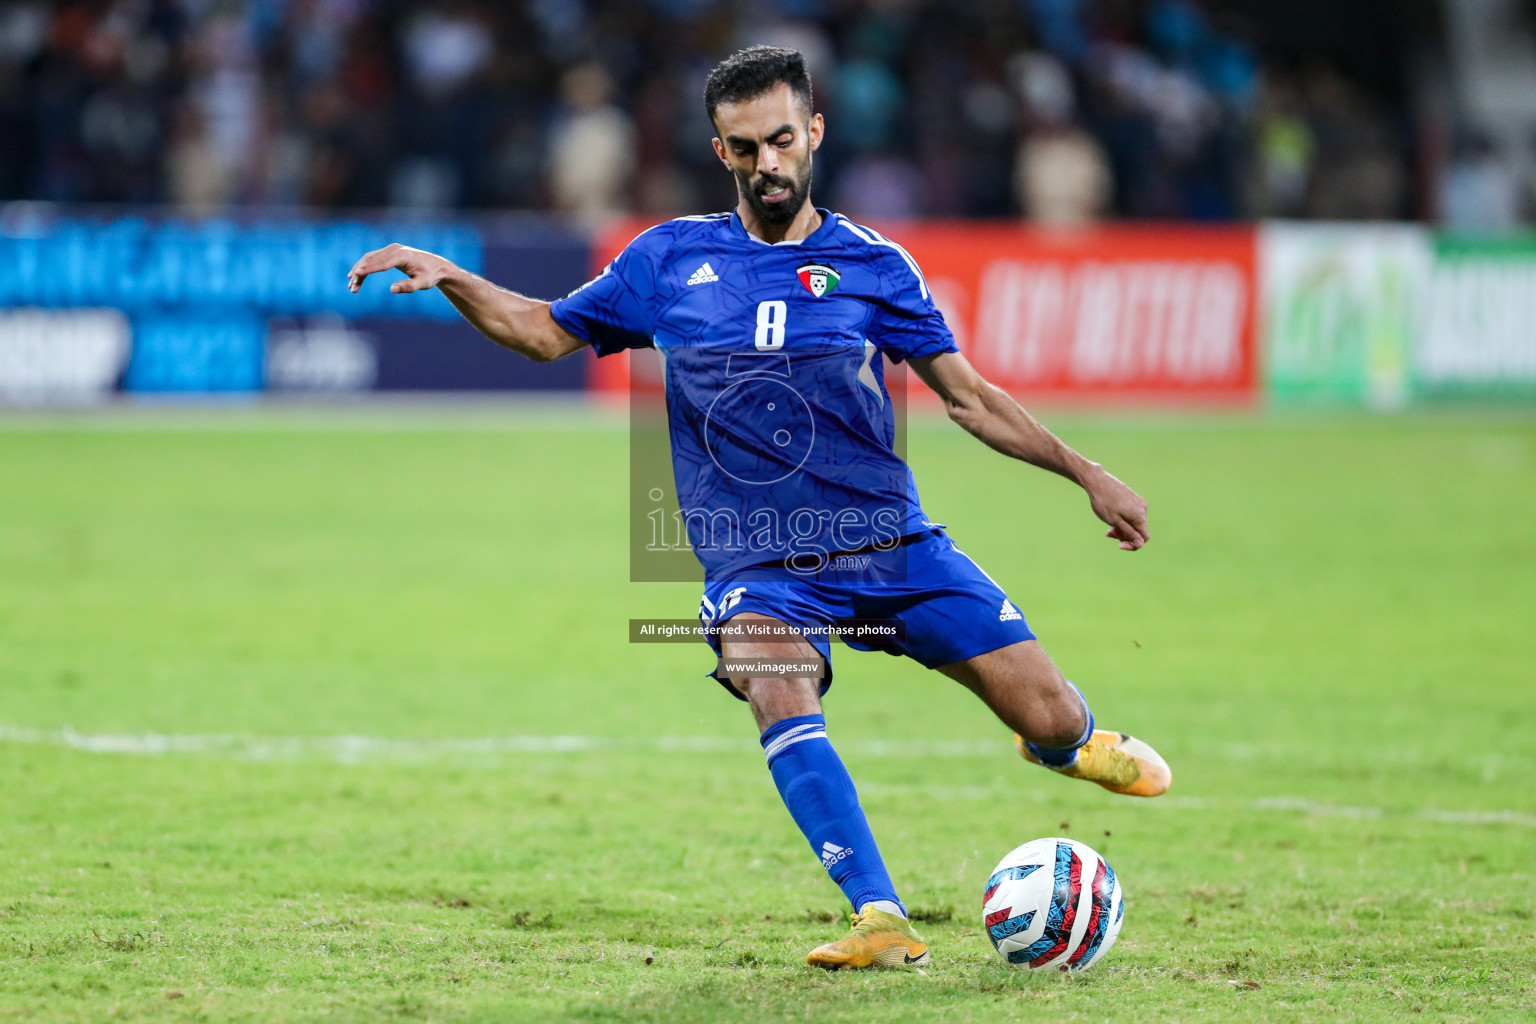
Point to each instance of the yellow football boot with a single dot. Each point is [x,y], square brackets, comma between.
[1116,761]
[878,939]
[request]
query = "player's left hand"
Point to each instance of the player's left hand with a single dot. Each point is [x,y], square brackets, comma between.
[1122,508]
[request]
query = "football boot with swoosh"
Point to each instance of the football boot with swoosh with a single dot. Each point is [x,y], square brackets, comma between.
[878,939]
[1115,760]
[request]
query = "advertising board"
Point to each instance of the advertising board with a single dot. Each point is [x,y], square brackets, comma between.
[94,305]
[1343,308]
[1479,336]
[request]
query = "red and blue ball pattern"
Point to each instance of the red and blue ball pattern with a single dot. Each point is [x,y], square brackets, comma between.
[1053,903]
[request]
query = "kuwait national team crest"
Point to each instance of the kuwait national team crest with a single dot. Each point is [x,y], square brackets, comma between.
[819,280]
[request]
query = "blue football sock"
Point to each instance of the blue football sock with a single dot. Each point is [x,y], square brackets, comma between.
[820,796]
[1060,757]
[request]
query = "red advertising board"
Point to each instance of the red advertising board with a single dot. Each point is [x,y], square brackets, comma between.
[1115,313]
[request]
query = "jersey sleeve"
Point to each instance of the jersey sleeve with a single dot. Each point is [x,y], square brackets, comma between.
[907,324]
[614,310]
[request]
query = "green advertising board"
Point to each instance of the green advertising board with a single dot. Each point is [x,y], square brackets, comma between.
[1479,335]
[1341,311]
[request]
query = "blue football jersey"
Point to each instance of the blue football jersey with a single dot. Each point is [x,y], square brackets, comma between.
[781,425]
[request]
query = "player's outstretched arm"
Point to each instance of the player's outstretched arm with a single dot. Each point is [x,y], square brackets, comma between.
[991,414]
[507,318]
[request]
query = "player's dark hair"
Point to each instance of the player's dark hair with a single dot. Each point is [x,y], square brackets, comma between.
[747,74]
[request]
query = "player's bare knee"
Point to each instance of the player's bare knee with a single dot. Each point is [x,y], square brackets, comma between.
[754,635]
[775,698]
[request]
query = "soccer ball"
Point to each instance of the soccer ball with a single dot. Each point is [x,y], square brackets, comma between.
[1053,903]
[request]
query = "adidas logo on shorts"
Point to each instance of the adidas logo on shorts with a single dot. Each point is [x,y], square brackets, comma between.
[1009,613]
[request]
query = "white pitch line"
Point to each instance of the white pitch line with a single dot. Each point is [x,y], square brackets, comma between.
[1291,803]
[363,749]
[355,749]
[344,749]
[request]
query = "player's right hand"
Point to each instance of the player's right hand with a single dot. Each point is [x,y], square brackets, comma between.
[422,269]
[1121,508]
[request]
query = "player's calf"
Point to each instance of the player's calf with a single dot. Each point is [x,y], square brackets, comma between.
[1117,761]
[1053,725]
[1024,688]
[820,796]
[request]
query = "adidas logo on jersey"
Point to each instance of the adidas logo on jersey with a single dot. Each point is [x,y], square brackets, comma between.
[1009,613]
[704,275]
[831,853]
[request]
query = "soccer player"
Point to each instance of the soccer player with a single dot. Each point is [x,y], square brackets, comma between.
[770,319]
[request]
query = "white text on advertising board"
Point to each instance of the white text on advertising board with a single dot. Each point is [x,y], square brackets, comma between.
[1137,323]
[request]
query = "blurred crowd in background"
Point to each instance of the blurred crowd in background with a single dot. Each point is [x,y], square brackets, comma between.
[1059,110]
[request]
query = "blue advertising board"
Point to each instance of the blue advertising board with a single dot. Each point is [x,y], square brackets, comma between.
[293,268]
[217,306]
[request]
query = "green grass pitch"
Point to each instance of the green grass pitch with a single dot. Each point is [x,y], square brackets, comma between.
[1330,637]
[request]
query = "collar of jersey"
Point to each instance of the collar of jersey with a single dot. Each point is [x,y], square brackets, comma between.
[819,235]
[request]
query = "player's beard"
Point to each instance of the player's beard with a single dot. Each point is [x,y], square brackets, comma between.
[785,210]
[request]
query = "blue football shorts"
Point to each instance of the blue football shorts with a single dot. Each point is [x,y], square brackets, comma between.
[950,608]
